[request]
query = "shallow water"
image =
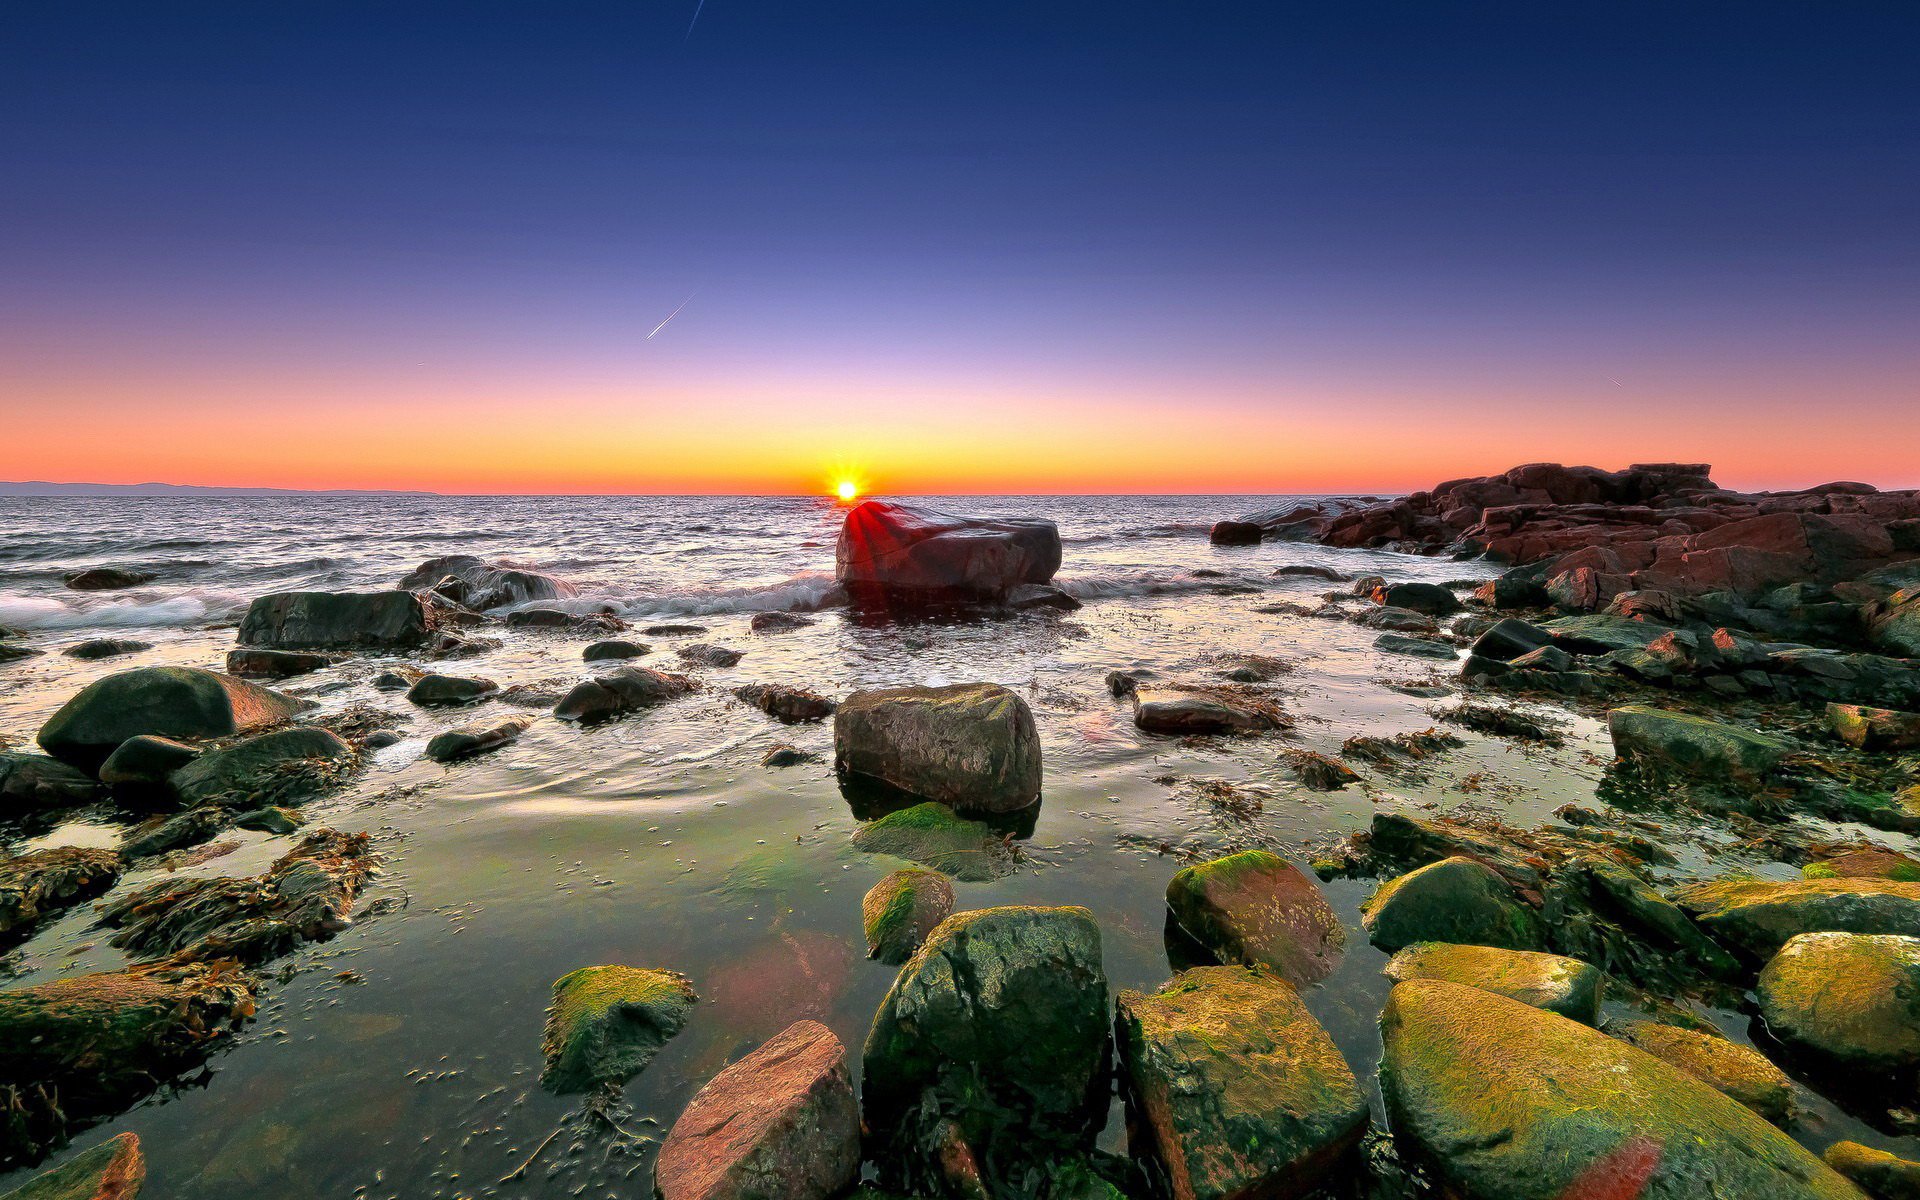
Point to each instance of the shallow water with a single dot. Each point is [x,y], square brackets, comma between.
[401,1058]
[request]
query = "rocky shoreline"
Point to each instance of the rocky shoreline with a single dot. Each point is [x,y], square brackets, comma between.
[1753,658]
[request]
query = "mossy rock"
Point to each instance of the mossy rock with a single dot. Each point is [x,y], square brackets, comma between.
[1456,900]
[1759,916]
[1881,1175]
[901,910]
[1869,863]
[1256,907]
[174,702]
[971,746]
[1740,1071]
[1694,745]
[113,1170]
[1866,728]
[606,1024]
[1850,999]
[1506,1100]
[934,836]
[1233,1089]
[1558,984]
[271,765]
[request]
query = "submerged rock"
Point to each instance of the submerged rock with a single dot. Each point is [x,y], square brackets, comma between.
[1760,916]
[1881,1175]
[1694,745]
[1232,1088]
[1851,1000]
[286,762]
[1552,982]
[894,554]
[177,832]
[1504,1099]
[176,702]
[32,782]
[43,882]
[1455,900]
[971,746]
[606,1024]
[932,834]
[778,622]
[1740,1071]
[106,579]
[275,664]
[1418,647]
[790,704]
[781,1122]
[113,1170]
[620,691]
[476,738]
[1257,908]
[996,1029]
[901,910]
[783,754]
[394,620]
[96,648]
[436,689]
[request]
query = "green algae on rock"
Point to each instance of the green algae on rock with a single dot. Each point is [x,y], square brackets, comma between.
[113,1170]
[970,746]
[1504,1099]
[1694,745]
[1232,1088]
[932,835]
[1881,1175]
[1759,916]
[1256,907]
[1866,728]
[1849,999]
[901,910]
[176,702]
[1455,900]
[269,767]
[1740,1071]
[606,1023]
[1558,984]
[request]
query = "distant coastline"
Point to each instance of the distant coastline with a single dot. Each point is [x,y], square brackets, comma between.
[39,487]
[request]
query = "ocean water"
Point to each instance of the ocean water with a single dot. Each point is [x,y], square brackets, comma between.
[401,1058]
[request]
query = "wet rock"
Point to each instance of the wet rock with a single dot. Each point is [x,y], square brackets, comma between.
[1740,1071]
[778,622]
[997,1026]
[477,584]
[1235,533]
[606,1024]
[1319,772]
[1881,1175]
[790,704]
[165,835]
[1508,639]
[781,1122]
[1553,982]
[44,882]
[275,664]
[284,763]
[1871,862]
[1397,620]
[1454,900]
[782,754]
[1500,722]
[1694,745]
[701,654]
[34,782]
[893,554]
[380,739]
[901,910]
[1874,729]
[113,1170]
[621,691]
[1040,595]
[430,690]
[933,835]
[1187,713]
[1851,1000]
[106,579]
[398,680]
[1309,571]
[614,648]
[1419,647]
[1387,751]
[1233,1088]
[556,618]
[270,820]
[1760,916]
[476,738]
[1428,598]
[673,629]
[1504,1099]
[338,621]
[306,895]
[971,746]
[95,648]
[10,653]
[1257,908]
[176,702]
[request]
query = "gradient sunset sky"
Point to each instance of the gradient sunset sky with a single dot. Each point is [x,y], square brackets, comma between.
[961,246]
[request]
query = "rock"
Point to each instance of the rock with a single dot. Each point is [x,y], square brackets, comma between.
[1508,639]
[43,882]
[614,648]
[1868,863]
[1760,916]
[970,746]
[1881,1175]
[1455,900]
[96,648]
[931,834]
[271,819]
[790,704]
[901,910]
[606,1024]
[782,754]
[33,782]
[476,738]
[306,896]
[621,691]
[1552,982]
[1257,908]
[10,653]
[436,689]
[338,621]
[1851,1000]
[1419,647]
[1740,1071]
[1184,713]
[145,761]
[1319,772]
[1232,1088]
[106,579]
[282,763]
[165,835]
[1694,745]
[397,680]
[778,622]
[176,702]
[700,654]
[1397,620]
[77,1049]
[1875,729]
[113,1170]
[477,584]
[999,1025]
[275,664]
[1309,571]
[1504,1099]
[1040,595]
[781,1122]
[673,629]
[893,554]
[1428,598]
[1235,533]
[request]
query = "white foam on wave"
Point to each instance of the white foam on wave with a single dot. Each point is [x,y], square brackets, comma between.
[1111,585]
[806,592]
[194,606]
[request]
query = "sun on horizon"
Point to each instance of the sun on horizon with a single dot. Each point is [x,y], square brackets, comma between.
[847,490]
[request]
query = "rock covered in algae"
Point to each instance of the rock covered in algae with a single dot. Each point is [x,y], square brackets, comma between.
[176,702]
[1740,1071]
[1233,1089]
[932,835]
[1256,907]
[44,882]
[268,765]
[1558,984]
[607,1022]
[1455,900]
[1504,1099]
[1760,916]
[1881,1175]
[971,746]
[901,910]
[113,1170]
[1694,745]
[1851,999]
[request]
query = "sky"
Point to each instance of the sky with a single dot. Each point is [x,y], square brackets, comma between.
[955,245]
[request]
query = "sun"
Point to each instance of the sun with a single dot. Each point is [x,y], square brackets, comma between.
[847,490]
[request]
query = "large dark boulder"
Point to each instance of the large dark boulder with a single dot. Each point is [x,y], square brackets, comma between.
[393,620]
[894,554]
[1235,533]
[971,746]
[177,702]
[478,584]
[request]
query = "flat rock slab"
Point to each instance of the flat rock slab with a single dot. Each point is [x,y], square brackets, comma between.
[1694,745]
[1759,916]
[258,769]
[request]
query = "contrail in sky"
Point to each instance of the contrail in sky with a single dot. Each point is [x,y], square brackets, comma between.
[692,23]
[672,315]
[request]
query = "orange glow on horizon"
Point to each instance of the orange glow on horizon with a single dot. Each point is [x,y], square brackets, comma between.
[847,490]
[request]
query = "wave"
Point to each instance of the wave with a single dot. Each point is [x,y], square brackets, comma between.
[1176,530]
[1110,585]
[809,591]
[196,606]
